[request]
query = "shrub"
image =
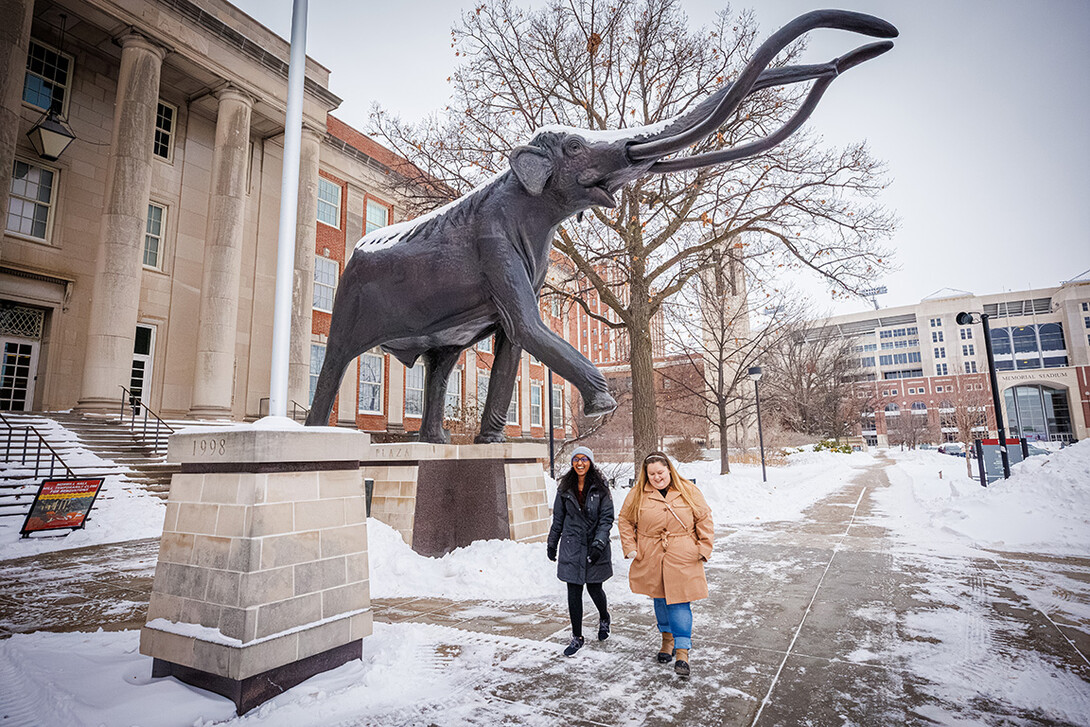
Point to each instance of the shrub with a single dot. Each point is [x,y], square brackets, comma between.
[685,450]
[831,445]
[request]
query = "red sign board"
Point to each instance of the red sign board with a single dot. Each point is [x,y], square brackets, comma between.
[61,504]
[996,441]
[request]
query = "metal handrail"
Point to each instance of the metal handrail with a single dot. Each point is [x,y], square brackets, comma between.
[27,429]
[296,407]
[130,403]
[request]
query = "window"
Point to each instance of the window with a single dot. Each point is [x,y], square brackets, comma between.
[414,390]
[317,358]
[513,409]
[1001,342]
[535,405]
[30,204]
[482,387]
[936,322]
[966,334]
[1086,320]
[325,283]
[47,74]
[938,389]
[885,334]
[371,369]
[885,360]
[912,330]
[556,311]
[967,350]
[887,345]
[911,391]
[163,146]
[892,408]
[918,407]
[941,369]
[153,235]
[970,367]
[453,404]
[378,215]
[867,362]
[329,203]
[558,405]
[936,336]
[914,357]
[1052,337]
[485,344]
[940,352]
[900,358]
[1025,339]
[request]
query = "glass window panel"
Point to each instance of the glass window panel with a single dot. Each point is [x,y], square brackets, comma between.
[317,358]
[370,396]
[414,390]
[1052,337]
[1025,339]
[453,407]
[378,215]
[325,283]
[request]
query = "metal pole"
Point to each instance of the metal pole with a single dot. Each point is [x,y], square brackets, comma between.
[760,432]
[995,396]
[289,203]
[552,462]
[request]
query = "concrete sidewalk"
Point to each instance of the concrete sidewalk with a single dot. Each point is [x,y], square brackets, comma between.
[824,621]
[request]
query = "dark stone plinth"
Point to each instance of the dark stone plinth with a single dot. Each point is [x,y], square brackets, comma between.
[459,501]
[253,691]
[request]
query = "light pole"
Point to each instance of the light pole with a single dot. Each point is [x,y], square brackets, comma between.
[965,319]
[755,375]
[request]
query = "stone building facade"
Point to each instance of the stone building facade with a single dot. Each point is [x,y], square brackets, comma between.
[143,258]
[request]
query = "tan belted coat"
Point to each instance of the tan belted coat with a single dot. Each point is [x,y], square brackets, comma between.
[670,555]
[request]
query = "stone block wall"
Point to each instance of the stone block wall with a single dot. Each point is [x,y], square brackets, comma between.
[259,569]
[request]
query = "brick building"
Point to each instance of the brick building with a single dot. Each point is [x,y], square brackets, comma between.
[917,361]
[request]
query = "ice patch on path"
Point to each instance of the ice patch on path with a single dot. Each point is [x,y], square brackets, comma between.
[1044,507]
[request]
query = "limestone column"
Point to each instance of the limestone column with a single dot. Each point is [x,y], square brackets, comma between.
[302,295]
[14,45]
[214,375]
[115,297]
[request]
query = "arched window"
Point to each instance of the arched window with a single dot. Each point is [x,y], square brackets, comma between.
[1025,339]
[1001,341]
[918,407]
[892,408]
[946,404]
[1052,337]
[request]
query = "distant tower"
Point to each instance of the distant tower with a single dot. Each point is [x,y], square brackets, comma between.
[873,294]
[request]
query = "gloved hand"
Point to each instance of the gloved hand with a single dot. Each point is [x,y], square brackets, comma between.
[552,553]
[595,552]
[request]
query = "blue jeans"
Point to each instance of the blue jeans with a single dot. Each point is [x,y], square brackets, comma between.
[676,619]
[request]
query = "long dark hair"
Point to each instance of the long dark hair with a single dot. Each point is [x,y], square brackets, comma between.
[569,482]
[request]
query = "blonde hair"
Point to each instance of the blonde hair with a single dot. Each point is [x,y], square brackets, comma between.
[634,502]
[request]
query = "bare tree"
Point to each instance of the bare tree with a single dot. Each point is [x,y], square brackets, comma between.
[711,324]
[966,410]
[622,63]
[809,381]
[909,428]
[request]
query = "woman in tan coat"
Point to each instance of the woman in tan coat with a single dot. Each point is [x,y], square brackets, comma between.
[666,527]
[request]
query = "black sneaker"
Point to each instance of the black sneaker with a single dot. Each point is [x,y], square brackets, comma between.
[574,645]
[603,629]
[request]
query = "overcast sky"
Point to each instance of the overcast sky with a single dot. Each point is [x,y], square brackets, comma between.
[981,111]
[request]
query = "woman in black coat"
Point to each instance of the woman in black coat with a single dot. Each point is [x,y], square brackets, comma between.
[582,518]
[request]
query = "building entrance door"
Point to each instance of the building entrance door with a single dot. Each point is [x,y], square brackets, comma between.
[1039,413]
[142,356]
[17,373]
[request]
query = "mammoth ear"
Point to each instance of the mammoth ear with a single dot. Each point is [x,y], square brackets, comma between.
[532,167]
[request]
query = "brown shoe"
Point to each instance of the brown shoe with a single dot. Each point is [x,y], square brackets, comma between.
[666,653]
[681,666]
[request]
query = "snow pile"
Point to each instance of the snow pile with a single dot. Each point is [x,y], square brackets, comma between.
[1043,507]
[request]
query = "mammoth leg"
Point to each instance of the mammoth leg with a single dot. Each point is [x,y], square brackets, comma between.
[501,386]
[438,363]
[337,358]
[517,304]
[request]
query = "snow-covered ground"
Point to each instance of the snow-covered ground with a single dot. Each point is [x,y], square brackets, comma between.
[1044,508]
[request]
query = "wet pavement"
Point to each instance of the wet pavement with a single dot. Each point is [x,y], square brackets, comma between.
[824,621]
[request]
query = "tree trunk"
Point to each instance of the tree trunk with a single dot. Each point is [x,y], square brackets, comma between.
[724,462]
[644,415]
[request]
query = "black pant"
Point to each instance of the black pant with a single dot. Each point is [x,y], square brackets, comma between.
[575,604]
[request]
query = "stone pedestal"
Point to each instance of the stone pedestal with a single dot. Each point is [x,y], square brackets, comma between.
[262,579]
[444,496]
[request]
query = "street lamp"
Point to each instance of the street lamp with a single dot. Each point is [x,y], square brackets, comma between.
[755,375]
[964,319]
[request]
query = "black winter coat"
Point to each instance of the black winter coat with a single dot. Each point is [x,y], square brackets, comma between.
[575,528]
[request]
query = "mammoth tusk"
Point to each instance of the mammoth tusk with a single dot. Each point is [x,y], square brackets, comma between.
[747,80]
[843,63]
